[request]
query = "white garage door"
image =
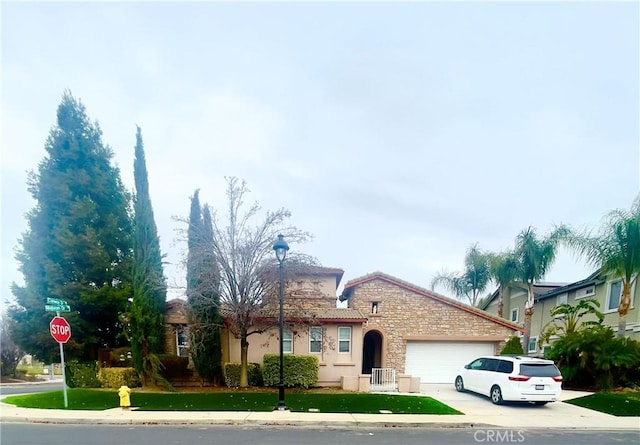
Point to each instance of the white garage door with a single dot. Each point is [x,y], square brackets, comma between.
[437,362]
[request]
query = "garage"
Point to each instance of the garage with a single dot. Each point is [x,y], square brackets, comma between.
[437,362]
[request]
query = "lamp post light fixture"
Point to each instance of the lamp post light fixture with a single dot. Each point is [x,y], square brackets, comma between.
[281,247]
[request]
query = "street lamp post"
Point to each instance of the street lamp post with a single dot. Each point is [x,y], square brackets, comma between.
[281,247]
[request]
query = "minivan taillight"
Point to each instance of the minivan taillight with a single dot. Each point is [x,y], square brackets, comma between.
[557,378]
[519,378]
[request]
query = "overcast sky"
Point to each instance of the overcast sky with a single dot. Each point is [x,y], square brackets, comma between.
[398,134]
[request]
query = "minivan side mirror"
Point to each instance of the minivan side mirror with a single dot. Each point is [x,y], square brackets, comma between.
[466,366]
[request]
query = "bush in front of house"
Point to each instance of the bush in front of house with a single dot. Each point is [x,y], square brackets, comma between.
[596,357]
[117,377]
[513,346]
[81,375]
[232,374]
[299,370]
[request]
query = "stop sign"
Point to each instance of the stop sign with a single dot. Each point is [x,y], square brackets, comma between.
[60,330]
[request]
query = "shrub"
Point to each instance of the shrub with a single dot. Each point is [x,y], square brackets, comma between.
[596,357]
[117,377]
[299,370]
[81,375]
[513,347]
[232,374]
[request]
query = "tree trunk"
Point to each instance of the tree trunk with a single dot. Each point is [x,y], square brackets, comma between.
[500,302]
[244,349]
[623,308]
[528,314]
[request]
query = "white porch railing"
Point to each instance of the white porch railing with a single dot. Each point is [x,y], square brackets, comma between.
[383,379]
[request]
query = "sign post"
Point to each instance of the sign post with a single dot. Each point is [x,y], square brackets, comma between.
[61,332]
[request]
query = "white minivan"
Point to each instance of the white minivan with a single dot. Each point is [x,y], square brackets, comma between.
[513,379]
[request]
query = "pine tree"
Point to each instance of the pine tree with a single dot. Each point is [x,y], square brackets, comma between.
[203,296]
[77,246]
[149,285]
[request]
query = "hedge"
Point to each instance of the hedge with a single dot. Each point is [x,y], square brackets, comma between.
[299,370]
[232,374]
[81,375]
[117,377]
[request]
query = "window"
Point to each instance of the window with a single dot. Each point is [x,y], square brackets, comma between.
[315,339]
[561,299]
[505,367]
[539,370]
[586,292]
[476,364]
[344,339]
[615,292]
[287,341]
[182,340]
[490,364]
[374,307]
[533,344]
[514,314]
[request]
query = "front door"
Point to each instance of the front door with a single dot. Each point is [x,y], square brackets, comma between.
[371,351]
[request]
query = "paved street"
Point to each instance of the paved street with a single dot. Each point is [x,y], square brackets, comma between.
[34,434]
[479,413]
[29,388]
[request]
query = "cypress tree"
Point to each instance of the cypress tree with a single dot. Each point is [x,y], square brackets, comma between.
[149,285]
[203,294]
[77,246]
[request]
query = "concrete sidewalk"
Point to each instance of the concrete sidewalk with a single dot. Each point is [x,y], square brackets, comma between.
[479,413]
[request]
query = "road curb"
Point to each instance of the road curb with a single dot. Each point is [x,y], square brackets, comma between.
[246,422]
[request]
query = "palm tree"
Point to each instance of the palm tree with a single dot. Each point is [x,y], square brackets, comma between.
[503,269]
[615,250]
[567,319]
[470,283]
[534,257]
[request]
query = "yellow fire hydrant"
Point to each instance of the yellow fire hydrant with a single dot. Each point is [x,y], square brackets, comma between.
[125,400]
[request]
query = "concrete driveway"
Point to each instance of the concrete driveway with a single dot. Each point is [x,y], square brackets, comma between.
[556,414]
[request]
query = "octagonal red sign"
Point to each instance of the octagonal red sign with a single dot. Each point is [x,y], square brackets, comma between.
[60,329]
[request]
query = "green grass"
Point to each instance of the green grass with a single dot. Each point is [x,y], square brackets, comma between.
[91,399]
[616,403]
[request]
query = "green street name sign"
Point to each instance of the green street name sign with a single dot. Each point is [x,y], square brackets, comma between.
[55,301]
[55,305]
[52,308]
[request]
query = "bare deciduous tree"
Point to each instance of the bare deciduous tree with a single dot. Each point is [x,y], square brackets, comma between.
[10,352]
[243,280]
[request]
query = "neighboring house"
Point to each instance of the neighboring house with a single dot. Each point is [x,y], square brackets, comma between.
[547,296]
[419,332]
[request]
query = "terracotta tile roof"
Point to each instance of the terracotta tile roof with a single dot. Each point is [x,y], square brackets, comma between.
[352,284]
[320,314]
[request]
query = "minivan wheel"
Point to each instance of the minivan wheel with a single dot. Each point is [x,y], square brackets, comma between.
[496,395]
[459,384]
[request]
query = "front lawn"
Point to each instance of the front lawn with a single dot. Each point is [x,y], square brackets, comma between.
[91,399]
[616,403]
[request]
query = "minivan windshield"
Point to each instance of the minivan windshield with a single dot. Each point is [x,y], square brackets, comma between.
[539,370]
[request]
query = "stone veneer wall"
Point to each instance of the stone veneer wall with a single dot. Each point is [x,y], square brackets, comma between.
[176,315]
[403,314]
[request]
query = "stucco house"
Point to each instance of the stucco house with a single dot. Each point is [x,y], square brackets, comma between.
[607,291]
[313,325]
[419,332]
[388,323]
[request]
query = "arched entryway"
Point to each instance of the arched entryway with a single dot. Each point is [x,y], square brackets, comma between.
[371,351]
